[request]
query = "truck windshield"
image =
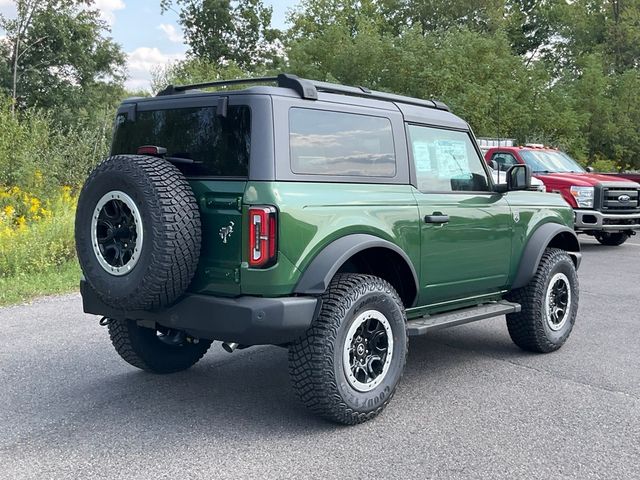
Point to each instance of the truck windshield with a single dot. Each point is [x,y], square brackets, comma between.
[545,161]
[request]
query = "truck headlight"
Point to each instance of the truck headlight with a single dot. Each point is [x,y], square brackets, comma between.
[583,196]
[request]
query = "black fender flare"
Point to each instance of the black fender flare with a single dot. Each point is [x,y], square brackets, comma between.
[318,275]
[538,242]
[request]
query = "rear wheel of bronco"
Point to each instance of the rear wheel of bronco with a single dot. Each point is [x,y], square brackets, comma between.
[137,232]
[549,304]
[160,350]
[348,365]
[612,239]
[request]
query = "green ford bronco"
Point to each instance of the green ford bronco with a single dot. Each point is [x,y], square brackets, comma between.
[333,221]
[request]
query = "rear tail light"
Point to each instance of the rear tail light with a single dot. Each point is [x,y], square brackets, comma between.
[263,238]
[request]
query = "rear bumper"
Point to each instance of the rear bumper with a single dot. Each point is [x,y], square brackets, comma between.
[245,320]
[594,220]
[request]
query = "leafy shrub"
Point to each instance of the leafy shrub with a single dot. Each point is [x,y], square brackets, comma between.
[38,156]
[35,234]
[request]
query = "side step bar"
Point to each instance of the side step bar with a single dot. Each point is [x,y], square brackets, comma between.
[430,323]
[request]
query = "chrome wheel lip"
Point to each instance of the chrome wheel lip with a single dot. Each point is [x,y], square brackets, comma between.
[346,362]
[137,218]
[551,307]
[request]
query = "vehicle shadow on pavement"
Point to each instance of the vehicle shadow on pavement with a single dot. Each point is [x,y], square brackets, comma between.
[250,389]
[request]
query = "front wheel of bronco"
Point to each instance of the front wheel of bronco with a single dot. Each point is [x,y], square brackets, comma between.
[549,304]
[155,350]
[612,239]
[347,366]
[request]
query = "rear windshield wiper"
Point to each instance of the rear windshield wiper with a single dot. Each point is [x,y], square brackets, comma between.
[181,160]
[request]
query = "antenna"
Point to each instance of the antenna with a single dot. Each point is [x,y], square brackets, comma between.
[499,133]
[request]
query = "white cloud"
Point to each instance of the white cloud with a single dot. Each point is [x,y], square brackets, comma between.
[108,8]
[142,61]
[8,8]
[171,32]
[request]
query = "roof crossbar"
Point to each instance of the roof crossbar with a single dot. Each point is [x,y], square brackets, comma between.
[308,89]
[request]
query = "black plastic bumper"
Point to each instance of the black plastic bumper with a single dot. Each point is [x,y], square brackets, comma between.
[245,320]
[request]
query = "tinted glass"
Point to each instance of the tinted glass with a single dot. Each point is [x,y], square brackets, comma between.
[340,144]
[218,146]
[505,160]
[446,161]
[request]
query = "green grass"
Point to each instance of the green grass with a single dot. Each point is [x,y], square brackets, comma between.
[54,280]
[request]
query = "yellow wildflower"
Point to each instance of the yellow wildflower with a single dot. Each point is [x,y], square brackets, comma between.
[34,205]
[9,211]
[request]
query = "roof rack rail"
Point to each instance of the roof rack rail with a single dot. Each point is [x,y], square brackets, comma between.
[366,93]
[308,89]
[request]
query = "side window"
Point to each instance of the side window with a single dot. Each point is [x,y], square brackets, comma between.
[504,160]
[340,144]
[446,161]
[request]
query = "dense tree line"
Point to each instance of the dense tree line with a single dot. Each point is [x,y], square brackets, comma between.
[553,71]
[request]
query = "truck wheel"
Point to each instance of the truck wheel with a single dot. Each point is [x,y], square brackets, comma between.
[611,239]
[160,350]
[549,304]
[137,232]
[347,366]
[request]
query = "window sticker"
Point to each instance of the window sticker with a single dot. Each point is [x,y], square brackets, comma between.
[422,156]
[452,158]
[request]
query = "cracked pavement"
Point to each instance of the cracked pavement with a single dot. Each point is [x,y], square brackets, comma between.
[470,405]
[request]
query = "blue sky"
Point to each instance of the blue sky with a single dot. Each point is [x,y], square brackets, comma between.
[151,39]
[148,38]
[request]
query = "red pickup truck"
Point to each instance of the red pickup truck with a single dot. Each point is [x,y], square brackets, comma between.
[606,207]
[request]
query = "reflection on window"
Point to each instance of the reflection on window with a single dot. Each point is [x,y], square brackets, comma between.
[340,144]
[446,161]
[218,146]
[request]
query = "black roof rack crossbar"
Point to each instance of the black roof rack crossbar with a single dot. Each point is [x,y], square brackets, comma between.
[173,89]
[303,87]
[308,89]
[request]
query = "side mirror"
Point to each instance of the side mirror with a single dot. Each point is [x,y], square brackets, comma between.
[590,169]
[495,165]
[518,178]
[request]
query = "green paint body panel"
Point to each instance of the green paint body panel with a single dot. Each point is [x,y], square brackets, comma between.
[472,258]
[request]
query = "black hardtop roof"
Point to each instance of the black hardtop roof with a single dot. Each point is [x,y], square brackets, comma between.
[413,109]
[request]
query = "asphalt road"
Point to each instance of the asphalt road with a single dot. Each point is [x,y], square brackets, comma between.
[471,405]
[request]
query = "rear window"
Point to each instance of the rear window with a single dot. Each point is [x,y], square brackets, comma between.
[218,146]
[340,144]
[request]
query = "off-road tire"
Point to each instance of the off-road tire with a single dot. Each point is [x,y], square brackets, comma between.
[171,225]
[612,239]
[529,328]
[141,347]
[316,365]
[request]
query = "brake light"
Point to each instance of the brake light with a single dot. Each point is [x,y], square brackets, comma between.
[152,150]
[263,238]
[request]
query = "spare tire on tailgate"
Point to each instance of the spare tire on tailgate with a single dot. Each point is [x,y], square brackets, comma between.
[137,232]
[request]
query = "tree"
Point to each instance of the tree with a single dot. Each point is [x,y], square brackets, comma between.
[16,37]
[220,31]
[59,58]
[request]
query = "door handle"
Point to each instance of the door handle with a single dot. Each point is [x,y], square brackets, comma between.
[436,218]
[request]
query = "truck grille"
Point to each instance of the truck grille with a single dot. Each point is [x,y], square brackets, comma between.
[620,199]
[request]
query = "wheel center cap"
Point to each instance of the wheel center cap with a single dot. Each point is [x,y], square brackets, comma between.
[360,349]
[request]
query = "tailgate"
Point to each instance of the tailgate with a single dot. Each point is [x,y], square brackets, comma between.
[220,203]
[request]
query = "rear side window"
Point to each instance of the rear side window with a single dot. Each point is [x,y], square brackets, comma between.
[340,144]
[217,146]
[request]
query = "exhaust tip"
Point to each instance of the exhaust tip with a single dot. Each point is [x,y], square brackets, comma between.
[229,347]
